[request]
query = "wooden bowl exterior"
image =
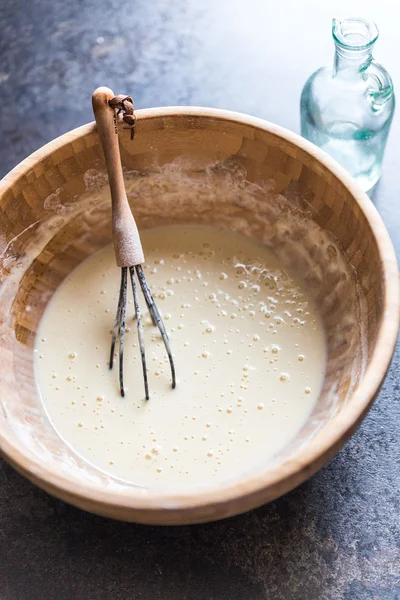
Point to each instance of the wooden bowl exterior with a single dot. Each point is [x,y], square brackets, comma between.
[55,176]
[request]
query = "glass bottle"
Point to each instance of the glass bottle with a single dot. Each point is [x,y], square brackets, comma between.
[347,109]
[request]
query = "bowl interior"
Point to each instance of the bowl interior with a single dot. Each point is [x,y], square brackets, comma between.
[193,167]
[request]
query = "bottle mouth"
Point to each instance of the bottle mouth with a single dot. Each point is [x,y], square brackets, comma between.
[354,33]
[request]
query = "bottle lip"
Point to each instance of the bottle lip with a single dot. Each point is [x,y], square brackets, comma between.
[354,33]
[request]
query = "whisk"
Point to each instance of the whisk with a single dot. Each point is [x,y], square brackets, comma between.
[127,245]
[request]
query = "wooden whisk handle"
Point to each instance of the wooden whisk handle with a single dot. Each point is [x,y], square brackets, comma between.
[127,244]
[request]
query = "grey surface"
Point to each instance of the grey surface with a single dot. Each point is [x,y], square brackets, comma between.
[338,535]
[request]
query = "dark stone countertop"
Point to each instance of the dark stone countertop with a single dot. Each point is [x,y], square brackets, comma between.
[336,536]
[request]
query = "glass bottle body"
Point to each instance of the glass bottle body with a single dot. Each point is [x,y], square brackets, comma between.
[347,109]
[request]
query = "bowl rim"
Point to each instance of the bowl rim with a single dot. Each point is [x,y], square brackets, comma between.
[251,489]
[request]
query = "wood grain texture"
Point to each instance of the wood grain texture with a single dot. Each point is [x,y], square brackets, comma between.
[50,225]
[127,244]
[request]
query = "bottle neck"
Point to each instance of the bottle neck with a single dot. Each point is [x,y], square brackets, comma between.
[351,60]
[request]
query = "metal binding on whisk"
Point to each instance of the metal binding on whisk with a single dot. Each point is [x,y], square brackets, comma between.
[127,245]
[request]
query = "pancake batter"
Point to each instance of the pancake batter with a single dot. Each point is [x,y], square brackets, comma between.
[249,351]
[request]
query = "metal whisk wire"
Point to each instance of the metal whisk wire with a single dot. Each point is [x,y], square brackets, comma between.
[118,332]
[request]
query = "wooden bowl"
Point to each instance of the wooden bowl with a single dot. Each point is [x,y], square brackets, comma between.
[209,166]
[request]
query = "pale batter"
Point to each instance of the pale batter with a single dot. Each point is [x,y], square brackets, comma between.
[249,350]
